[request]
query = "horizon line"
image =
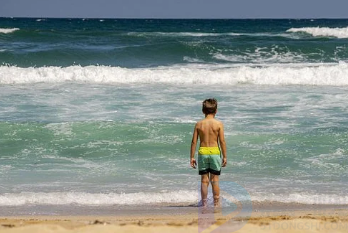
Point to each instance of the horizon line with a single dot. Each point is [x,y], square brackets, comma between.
[158,18]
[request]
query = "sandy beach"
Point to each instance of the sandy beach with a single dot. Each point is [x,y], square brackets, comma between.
[310,220]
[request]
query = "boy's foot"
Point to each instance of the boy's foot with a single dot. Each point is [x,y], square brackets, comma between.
[217,206]
[204,203]
[217,202]
[204,208]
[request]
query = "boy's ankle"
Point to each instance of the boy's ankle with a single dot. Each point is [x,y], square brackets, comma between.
[216,201]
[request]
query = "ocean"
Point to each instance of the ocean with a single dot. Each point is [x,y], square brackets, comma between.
[100,112]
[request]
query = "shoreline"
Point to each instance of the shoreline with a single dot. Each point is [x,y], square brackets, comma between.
[164,208]
[290,218]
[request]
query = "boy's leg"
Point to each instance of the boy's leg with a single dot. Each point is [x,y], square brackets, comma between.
[214,179]
[204,188]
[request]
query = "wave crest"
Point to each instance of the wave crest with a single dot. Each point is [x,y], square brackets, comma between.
[323,31]
[287,74]
[8,30]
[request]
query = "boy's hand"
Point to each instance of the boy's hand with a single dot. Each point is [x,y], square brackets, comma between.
[224,162]
[193,163]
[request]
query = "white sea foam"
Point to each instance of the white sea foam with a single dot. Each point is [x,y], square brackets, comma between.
[161,198]
[8,30]
[192,59]
[323,31]
[286,35]
[287,74]
[323,199]
[60,129]
[263,55]
[81,198]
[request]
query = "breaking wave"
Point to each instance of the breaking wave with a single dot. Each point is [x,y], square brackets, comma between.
[323,31]
[276,74]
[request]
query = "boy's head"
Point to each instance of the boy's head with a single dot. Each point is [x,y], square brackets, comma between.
[209,106]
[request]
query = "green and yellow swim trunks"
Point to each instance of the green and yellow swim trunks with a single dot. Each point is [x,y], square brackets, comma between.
[209,160]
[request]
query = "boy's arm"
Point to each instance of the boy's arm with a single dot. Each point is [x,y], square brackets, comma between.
[223,145]
[193,147]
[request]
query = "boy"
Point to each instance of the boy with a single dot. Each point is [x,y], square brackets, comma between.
[211,133]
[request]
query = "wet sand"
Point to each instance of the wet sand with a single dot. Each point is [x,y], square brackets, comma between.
[290,218]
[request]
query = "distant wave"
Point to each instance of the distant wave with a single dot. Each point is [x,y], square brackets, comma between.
[184,34]
[8,30]
[323,31]
[276,74]
[260,55]
[209,34]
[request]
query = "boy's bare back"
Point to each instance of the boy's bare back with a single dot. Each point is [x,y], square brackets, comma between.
[208,131]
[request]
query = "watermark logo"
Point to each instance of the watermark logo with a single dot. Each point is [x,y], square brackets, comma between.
[230,215]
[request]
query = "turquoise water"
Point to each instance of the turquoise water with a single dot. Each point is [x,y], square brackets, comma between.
[101,112]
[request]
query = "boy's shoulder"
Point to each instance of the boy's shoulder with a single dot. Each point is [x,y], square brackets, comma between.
[215,121]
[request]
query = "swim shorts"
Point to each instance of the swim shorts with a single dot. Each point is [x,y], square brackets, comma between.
[209,160]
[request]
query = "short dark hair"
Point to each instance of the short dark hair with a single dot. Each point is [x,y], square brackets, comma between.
[209,106]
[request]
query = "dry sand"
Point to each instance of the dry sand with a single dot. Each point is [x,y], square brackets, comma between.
[334,220]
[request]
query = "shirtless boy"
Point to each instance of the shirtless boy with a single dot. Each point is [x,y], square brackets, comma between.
[211,134]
